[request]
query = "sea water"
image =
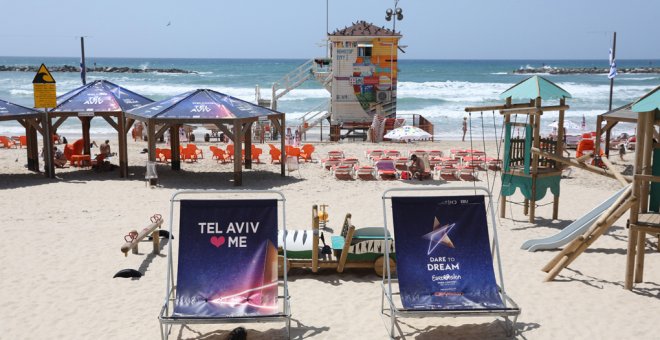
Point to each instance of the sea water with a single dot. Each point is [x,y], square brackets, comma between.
[437,89]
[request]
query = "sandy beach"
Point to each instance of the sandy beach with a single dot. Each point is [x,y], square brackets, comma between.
[61,247]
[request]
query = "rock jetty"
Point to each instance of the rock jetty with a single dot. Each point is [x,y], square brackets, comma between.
[584,70]
[106,69]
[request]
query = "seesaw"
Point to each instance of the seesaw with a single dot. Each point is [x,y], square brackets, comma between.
[133,239]
[353,248]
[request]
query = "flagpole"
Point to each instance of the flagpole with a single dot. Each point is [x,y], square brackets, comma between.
[83,68]
[612,78]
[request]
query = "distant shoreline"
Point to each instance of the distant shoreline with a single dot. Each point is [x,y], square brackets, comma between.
[105,69]
[585,70]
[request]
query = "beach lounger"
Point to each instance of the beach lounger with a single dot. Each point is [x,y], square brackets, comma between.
[386,169]
[374,155]
[435,153]
[227,269]
[393,154]
[328,163]
[467,173]
[447,172]
[366,173]
[445,258]
[401,163]
[343,172]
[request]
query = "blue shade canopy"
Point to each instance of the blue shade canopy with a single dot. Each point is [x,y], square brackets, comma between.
[650,102]
[99,96]
[202,104]
[10,111]
[534,87]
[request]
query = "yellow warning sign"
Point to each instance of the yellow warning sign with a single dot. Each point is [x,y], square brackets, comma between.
[45,94]
[43,76]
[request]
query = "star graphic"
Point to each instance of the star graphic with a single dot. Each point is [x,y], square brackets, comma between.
[439,235]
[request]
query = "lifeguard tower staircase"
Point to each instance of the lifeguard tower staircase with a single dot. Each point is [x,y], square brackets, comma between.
[318,69]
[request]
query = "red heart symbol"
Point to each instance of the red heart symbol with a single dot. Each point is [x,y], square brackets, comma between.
[217,241]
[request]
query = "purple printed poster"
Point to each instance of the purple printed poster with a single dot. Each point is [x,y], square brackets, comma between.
[227,259]
[443,253]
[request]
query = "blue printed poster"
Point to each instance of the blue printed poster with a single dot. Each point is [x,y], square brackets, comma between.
[443,253]
[227,259]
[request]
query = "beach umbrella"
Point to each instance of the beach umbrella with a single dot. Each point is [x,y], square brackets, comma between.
[407,133]
[29,118]
[569,125]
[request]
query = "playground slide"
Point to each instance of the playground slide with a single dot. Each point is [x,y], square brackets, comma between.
[574,229]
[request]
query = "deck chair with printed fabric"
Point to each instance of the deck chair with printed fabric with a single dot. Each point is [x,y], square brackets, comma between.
[227,261]
[445,258]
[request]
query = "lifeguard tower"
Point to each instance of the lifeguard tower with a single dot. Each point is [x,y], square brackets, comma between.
[360,73]
[533,174]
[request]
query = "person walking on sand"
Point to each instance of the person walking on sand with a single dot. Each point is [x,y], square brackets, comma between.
[622,151]
[464,127]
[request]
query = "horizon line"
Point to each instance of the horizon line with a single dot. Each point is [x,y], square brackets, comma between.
[291,58]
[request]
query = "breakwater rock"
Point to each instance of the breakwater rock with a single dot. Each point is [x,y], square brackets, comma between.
[106,69]
[584,70]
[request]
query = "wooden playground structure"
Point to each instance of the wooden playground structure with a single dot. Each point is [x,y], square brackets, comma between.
[641,198]
[533,173]
[353,248]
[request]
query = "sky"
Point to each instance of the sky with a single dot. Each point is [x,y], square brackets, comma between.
[432,29]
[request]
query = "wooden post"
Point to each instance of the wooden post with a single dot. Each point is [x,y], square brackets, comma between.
[248,145]
[238,143]
[123,147]
[155,237]
[555,207]
[560,132]
[151,146]
[86,122]
[344,252]
[599,132]
[526,207]
[33,148]
[282,145]
[48,145]
[635,208]
[315,239]
[647,163]
[507,119]
[174,146]
[535,157]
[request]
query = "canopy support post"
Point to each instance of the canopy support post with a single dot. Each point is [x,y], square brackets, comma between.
[238,170]
[174,145]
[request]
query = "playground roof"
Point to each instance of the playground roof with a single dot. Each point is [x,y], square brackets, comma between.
[11,111]
[534,87]
[621,114]
[649,102]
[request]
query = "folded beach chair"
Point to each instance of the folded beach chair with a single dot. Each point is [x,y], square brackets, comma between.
[386,170]
[444,258]
[227,260]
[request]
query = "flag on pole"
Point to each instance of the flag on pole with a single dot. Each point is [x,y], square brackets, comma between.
[612,73]
[83,71]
